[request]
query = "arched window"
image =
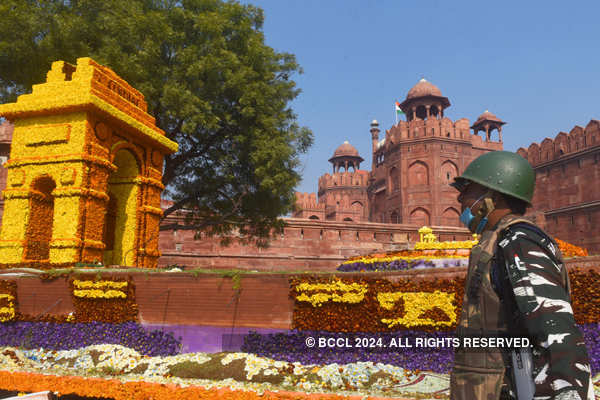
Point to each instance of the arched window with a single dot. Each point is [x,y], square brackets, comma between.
[418,174]
[448,171]
[419,217]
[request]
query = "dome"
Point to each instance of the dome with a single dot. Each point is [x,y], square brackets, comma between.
[489,116]
[345,150]
[423,88]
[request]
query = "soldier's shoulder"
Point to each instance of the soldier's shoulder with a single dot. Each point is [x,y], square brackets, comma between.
[528,238]
[527,229]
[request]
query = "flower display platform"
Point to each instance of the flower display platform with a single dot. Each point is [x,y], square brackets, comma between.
[140,334]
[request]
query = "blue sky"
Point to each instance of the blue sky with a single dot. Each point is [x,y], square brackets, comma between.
[534,64]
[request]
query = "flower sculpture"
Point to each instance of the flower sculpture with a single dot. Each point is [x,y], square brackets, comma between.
[84,176]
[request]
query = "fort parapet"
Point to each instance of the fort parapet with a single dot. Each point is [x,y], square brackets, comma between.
[567,189]
[564,146]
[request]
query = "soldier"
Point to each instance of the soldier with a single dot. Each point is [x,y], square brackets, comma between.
[516,285]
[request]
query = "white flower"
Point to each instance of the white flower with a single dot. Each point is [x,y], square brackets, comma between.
[232,356]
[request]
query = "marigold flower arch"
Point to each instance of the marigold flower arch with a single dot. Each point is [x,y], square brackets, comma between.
[84,174]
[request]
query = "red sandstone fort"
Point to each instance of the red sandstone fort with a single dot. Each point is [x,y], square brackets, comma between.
[358,211]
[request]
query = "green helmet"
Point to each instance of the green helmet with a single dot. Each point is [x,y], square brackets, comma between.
[502,171]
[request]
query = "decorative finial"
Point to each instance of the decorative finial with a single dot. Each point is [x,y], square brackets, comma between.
[423,79]
[486,111]
[346,142]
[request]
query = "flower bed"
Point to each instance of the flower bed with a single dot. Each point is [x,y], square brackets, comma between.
[66,336]
[291,347]
[402,264]
[438,356]
[200,375]
[570,250]
[430,255]
[405,260]
[386,308]
[363,304]
[374,305]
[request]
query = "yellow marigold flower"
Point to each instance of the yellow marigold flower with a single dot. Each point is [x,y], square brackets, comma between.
[417,303]
[95,293]
[351,293]
[98,285]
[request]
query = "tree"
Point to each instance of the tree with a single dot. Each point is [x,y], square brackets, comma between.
[210,81]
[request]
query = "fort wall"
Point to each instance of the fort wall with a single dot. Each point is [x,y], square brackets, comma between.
[304,245]
[567,191]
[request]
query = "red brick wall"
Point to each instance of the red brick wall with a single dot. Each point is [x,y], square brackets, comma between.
[567,192]
[305,244]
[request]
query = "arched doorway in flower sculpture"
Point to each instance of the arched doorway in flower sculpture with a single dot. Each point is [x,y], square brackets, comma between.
[121,218]
[41,216]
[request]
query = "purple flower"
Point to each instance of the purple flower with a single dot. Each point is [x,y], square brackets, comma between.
[68,336]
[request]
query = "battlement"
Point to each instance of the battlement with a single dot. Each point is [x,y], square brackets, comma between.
[433,127]
[306,201]
[578,139]
[358,179]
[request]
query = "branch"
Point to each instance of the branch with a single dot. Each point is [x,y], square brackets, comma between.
[178,227]
[219,220]
[176,206]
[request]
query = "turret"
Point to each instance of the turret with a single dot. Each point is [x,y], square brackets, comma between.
[346,156]
[487,122]
[424,101]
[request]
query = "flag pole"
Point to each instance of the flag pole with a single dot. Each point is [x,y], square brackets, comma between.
[396,113]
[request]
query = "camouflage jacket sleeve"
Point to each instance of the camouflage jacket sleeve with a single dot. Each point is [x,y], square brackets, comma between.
[561,367]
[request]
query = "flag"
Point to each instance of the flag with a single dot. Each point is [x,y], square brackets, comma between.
[398,109]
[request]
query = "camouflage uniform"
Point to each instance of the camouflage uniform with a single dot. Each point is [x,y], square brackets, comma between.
[536,304]
[537,289]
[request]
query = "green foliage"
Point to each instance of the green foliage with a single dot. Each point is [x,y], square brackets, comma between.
[236,278]
[210,81]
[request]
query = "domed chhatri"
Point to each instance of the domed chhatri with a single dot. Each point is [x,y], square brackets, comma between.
[423,101]
[487,122]
[345,149]
[423,88]
[486,115]
[345,156]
